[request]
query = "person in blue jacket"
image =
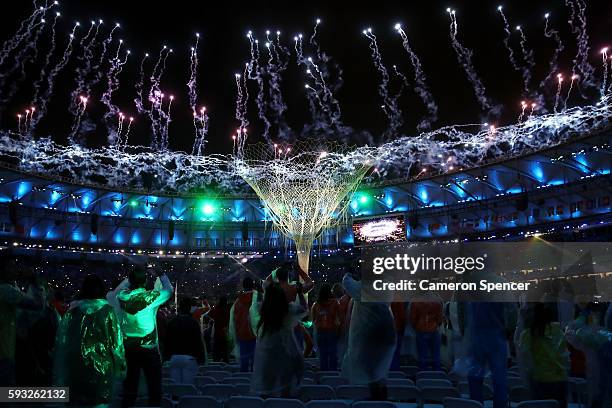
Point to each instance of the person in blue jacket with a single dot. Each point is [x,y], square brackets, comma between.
[486,321]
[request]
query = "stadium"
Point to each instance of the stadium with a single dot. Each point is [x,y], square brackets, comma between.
[152,258]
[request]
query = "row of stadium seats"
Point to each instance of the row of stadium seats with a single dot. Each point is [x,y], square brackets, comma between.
[255,402]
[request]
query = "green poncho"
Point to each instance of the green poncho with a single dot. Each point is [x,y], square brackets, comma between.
[89,352]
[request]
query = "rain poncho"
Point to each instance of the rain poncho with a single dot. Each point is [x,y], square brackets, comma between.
[371,341]
[548,356]
[89,353]
[12,298]
[278,364]
[137,311]
[596,343]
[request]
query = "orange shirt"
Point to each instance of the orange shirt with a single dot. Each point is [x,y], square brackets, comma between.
[425,316]
[325,315]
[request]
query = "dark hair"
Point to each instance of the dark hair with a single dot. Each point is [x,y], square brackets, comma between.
[338,290]
[248,283]
[222,302]
[274,309]
[282,273]
[542,316]
[185,304]
[137,277]
[92,288]
[325,293]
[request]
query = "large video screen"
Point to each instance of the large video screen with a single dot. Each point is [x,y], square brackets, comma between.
[379,230]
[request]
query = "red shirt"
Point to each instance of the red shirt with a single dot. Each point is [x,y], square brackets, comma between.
[325,315]
[242,320]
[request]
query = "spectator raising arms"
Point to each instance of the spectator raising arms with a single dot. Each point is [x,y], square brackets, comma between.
[137,314]
[89,353]
[279,365]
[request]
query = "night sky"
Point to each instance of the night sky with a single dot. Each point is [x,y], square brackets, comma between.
[224,49]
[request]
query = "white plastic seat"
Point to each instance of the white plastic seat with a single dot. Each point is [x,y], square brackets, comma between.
[403,393]
[538,404]
[400,381]
[221,392]
[217,375]
[326,374]
[236,380]
[244,402]
[373,404]
[242,375]
[328,404]
[410,371]
[283,403]
[316,392]
[199,401]
[204,380]
[396,374]
[179,390]
[352,392]
[433,382]
[243,389]
[437,394]
[461,403]
[333,380]
[431,374]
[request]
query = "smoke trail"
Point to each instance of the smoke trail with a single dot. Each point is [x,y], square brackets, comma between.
[200,122]
[507,35]
[604,61]
[116,67]
[46,64]
[529,61]
[193,75]
[569,91]
[558,94]
[82,105]
[257,73]
[127,132]
[159,118]
[43,101]
[578,24]
[27,54]
[97,68]
[554,60]
[464,56]
[83,67]
[24,31]
[200,119]
[277,64]
[420,85]
[139,99]
[327,81]
[393,113]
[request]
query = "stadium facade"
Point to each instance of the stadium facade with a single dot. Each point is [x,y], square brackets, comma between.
[563,187]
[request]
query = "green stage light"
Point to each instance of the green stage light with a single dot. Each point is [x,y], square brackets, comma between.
[133,203]
[363,198]
[208,208]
